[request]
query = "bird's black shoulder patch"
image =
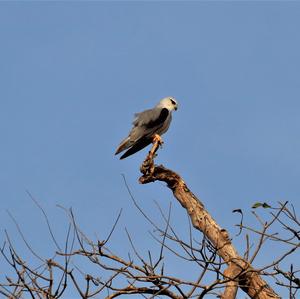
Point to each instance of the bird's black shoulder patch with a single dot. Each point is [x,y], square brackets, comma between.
[162,117]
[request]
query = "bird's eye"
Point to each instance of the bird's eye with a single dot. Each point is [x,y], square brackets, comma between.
[172,101]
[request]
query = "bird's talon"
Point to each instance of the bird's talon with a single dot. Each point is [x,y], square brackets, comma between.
[158,139]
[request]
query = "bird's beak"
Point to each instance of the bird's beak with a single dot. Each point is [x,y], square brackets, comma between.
[175,108]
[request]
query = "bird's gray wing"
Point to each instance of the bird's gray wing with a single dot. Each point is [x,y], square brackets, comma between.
[150,117]
[145,125]
[149,121]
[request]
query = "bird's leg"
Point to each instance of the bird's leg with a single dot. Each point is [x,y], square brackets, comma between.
[157,142]
[158,139]
[148,165]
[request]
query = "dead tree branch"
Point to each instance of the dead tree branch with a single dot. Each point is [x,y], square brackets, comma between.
[92,269]
[239,271]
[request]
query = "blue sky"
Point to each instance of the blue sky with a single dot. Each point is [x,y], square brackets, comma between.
[73,74]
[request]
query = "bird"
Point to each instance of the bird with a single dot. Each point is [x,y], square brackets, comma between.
[148,126]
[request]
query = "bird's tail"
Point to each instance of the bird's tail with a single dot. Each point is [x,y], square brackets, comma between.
[125,144]
[140,144]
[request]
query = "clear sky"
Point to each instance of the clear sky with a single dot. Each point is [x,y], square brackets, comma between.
[73,74]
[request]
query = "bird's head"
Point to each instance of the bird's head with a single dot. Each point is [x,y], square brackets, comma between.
[169,102]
